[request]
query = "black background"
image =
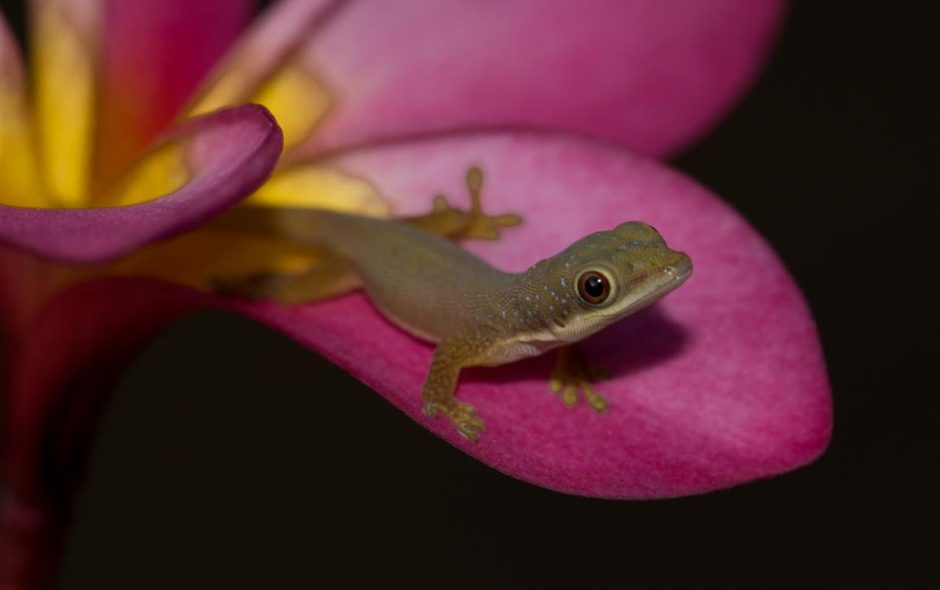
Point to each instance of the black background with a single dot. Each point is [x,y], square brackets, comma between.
[231,457]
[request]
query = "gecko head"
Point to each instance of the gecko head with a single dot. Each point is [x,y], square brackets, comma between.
[610,275]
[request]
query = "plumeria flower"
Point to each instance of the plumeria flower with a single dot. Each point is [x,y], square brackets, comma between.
[130,135]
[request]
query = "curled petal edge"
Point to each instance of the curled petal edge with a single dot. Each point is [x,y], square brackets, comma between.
[230,154]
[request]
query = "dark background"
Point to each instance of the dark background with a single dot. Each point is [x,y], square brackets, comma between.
[230,457]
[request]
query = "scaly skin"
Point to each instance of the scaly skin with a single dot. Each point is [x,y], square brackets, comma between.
[476,314]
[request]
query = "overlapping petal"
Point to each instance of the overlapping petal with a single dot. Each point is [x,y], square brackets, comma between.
[227,155]
[154,53]
[646,74]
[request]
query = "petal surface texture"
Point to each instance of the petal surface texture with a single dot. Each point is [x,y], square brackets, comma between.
[227,155]
[650,75]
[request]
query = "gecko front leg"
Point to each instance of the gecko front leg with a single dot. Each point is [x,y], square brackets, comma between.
[450,356]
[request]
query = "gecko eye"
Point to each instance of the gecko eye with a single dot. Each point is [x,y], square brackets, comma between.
[593,287]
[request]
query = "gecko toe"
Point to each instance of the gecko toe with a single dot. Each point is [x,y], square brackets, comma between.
[598,402]
[470,428]
[572,379]
[569,395]
[463,416]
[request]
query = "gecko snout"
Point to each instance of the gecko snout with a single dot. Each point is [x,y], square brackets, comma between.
[680,268]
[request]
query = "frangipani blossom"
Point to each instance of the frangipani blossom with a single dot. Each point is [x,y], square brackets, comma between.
[382,106]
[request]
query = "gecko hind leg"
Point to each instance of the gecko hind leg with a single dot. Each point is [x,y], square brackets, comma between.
[449,221]
[572,374]
[330,277]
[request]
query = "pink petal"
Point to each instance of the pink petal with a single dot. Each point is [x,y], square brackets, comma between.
[272,40]
[721,384]
[155,52]
[231,153]
[647,74]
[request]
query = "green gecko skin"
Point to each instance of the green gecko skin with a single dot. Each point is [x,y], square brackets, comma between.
[481,316]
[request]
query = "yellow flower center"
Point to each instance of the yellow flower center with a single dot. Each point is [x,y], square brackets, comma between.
[48,154]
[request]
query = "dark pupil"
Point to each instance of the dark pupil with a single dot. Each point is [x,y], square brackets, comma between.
[594,285]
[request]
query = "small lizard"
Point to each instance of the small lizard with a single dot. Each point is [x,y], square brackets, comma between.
[476,314]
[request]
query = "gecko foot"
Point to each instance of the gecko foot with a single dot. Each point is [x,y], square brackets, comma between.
[572,375]
[475,224]
[464,416]
[449,221]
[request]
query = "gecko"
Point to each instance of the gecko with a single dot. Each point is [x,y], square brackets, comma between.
[475,314]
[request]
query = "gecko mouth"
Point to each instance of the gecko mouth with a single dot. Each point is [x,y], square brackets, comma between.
[677,274]
[683,270]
